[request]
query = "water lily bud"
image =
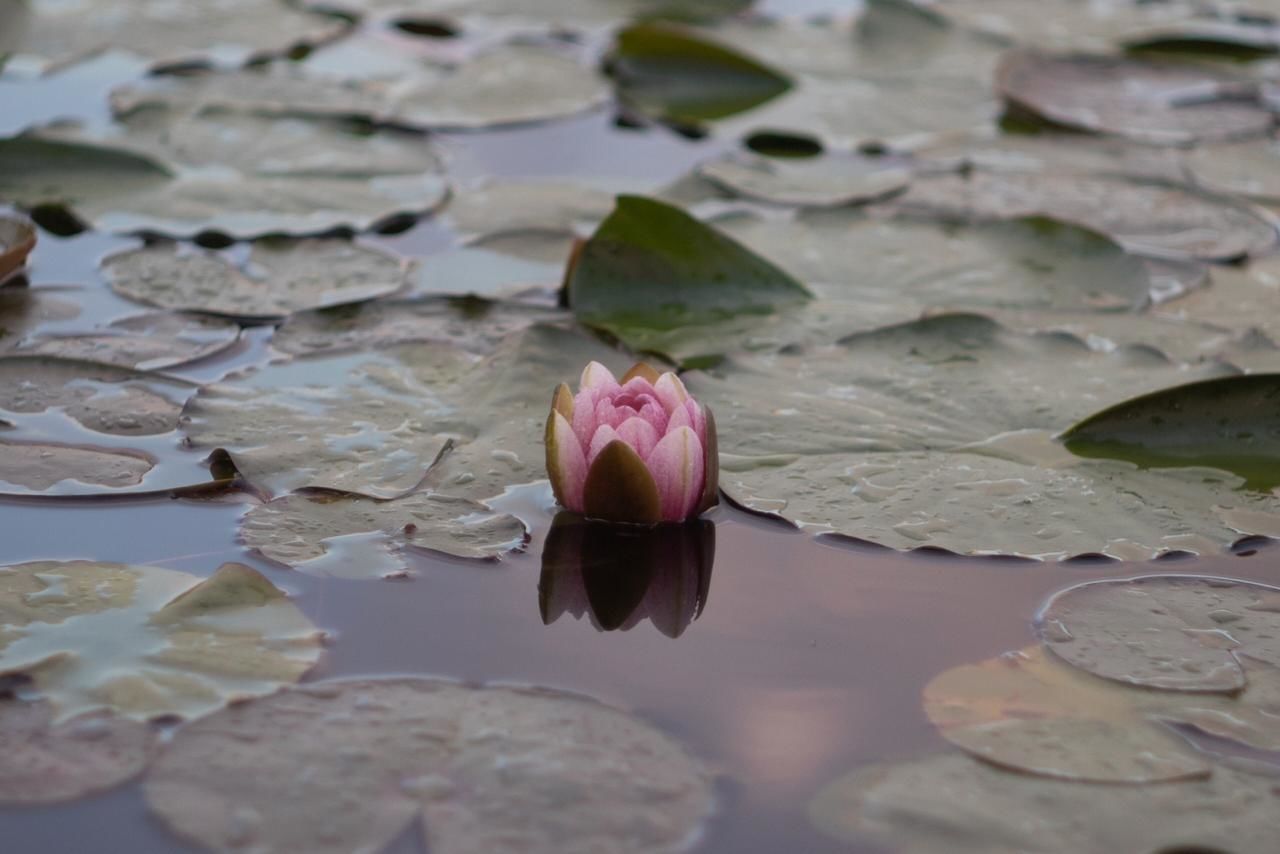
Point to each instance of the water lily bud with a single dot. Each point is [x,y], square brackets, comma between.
[641,450]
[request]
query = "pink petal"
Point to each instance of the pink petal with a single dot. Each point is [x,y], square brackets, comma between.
[608,413]
[699,419]
[584,416]
[670,391]
[677,468]
[639,386]
[654,413]
[597,377]
[681,418]
[570,462]
[604,435]
[639,434]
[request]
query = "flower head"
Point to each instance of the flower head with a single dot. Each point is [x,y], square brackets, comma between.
[636,450]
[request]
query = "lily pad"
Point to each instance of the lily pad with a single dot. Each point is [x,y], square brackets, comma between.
[830,181]
[373,423]
[240,175]
[17,239]
[506,85]
[42,762]
[508,206]
[143,341]
[678,75]
[473,324]
[276,279]
[1241,299]
[1175,633]
[41,466]
[1230,423]
[25,310]
[230,31]
[146,642]
[1250,168]
[543,15]
[350,536]
[652,266]
[1149,218]
[1164,103]
[343,766]
[938,432]
[958,805]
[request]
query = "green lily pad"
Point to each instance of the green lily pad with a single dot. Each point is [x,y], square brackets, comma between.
[1169,632]
[678,75]
[938,432]
[276,279]
[1230,423]
[958,805]
[652,266]
[350,536]
[376,422]
[482,769]
[1164,103]
[146,642]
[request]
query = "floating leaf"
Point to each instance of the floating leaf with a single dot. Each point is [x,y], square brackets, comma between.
[276,279]
[957,805]
[1175,633]
[938,432]
[1144,217]
[143,341]
[373,423]
[543,15]
[230,31]
[652,266]
[499,207]
[146,642]
[1230,423]
[41,466]
[350,536]
[24,310]
[1244,300]
[17,239]
[343,766]
[680,76]
[1249,168]
[829,181]
[42,762]
[1164,103]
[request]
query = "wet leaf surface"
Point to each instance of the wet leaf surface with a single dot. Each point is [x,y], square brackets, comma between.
[348,765]
[42,762]
[146,642]
[348,536]
[1248,168]
[822,182]
[946,804]
[152,341]
[275,279]
[1230,423]
[41,466]
[1167,632]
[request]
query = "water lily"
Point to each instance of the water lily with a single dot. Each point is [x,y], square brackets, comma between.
[638,450]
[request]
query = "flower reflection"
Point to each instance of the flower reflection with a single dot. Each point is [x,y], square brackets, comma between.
[619,575]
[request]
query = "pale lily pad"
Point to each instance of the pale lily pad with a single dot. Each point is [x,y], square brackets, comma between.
[1249,168]
[276,279]
[147,642]
[503,206]
[24,310]
[241,175]
[350,536]
[1239,299]
[830,181]
[40,466]
[1029,711]
[1230,423]
[506,85]
[17,239]
[543,15]
[343,766]
[42,762]
[938,432]
[1150,218]
[1175,633]
[958,805]
[1163,103]
[143,341]
[228,31]
[472,324]
[373,423]
[525,266]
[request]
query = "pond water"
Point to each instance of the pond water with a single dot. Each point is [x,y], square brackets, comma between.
[792,658]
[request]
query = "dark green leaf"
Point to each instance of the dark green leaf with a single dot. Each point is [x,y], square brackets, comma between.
[1230,423]
[651,266]
[674,74]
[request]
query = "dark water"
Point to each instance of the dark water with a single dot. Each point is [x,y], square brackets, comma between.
[807,662]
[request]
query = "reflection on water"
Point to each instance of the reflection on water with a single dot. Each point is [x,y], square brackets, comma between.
[620,575]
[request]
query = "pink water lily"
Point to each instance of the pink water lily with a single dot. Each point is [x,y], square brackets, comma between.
[637,450]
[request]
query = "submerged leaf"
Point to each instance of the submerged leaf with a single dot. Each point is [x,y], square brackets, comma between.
[483,769]
[1230,423]
[678,75]
[146,642]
